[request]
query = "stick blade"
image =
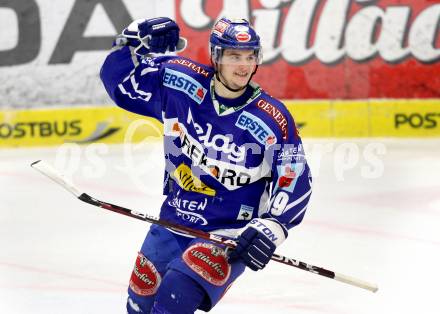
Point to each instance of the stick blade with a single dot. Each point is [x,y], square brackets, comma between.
[50,172]
[356,282]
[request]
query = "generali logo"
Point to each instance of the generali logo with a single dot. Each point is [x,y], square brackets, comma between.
[331,30]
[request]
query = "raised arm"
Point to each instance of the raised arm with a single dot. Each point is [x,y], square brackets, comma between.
[130,75]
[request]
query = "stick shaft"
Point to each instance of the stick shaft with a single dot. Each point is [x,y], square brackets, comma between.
[54,175]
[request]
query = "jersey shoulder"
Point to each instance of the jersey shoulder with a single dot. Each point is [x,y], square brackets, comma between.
[276,114]
[189,67]
[268,102]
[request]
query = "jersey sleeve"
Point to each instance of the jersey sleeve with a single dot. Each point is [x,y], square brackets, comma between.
[134,83]
[291,181]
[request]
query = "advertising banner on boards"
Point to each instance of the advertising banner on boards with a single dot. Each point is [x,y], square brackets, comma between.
[51,51]
[332,49]
[351,68]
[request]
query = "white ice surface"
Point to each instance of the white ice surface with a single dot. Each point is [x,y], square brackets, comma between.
[59,255]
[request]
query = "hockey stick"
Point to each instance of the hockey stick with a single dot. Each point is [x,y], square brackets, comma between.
[53,174]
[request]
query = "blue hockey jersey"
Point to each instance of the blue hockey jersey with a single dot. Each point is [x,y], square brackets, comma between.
[224,165]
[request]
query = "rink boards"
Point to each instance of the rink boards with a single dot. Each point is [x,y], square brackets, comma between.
[368,118]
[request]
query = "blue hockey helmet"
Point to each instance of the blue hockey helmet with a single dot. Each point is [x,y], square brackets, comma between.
[234,34]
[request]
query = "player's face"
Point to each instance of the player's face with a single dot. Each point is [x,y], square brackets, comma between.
[237,67]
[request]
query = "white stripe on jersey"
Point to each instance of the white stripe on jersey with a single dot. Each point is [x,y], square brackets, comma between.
[299,200]
[148,70]
[297,215]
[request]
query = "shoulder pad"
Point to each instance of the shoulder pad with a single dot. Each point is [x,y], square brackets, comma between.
[277,111]
[190,67]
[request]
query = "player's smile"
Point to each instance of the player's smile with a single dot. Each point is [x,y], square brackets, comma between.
[241,74]
[240,78]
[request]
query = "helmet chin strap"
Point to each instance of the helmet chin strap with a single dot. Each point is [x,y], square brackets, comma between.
[235,90]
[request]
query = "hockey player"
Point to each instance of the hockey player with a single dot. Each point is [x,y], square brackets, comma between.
[235,164]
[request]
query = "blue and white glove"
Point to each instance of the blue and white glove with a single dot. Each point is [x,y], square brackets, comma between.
[257,243]
[158,35]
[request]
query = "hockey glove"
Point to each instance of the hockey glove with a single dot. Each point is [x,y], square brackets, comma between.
[257,243]
[158,35]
